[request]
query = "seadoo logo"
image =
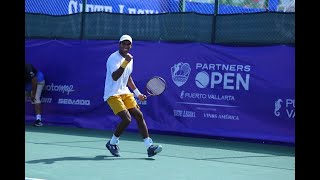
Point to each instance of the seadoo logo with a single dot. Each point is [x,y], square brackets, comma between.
[83,102]
[180,73]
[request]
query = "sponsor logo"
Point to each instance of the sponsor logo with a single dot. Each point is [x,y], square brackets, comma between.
[180,73]
[184,113]
[286,106]
[76,7]
[220,116]
[191,95]
[59,88]
[46,100]
[202,79]
[227,76]
[83,102]
[277,106]
[42,99]
[207,77]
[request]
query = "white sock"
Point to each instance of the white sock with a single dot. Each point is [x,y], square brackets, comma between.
[38,117]
[114,140]
[148,142]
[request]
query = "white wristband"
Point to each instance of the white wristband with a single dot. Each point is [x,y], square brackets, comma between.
[136,92]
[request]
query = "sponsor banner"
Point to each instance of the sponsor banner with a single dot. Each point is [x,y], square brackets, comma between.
[239,92]
[64,7]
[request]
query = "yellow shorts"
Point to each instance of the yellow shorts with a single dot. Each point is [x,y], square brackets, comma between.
[122,102]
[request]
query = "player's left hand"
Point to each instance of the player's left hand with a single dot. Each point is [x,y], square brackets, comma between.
[142,97]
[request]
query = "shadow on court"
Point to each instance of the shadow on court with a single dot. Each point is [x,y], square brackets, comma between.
[274,150]
[97,158]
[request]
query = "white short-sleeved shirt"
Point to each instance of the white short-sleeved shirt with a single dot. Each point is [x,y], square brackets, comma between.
[118,87]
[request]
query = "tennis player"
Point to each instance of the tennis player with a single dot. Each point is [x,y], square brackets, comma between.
[121,100]
[34,83]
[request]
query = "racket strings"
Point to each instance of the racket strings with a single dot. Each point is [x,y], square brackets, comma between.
[156,86]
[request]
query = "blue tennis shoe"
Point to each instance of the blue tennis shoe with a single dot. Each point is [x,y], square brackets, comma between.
[154,149]
[37,123]
[114,149]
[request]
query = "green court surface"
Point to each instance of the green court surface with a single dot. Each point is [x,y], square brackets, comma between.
[67,153]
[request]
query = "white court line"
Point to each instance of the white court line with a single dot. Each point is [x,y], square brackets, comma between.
[201,104]
[26,178]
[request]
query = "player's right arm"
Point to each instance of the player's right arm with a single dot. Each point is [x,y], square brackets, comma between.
[31,72]
[118,72]
[134,88]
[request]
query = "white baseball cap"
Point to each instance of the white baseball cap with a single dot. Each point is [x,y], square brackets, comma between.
[125,37]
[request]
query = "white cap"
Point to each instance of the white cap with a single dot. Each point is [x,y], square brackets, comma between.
[125,37]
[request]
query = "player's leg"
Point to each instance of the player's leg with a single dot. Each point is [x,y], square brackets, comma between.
[142,126]
[134,110]
[119,109]
[37,103]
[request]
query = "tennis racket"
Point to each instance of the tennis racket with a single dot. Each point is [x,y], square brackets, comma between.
[155,86]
